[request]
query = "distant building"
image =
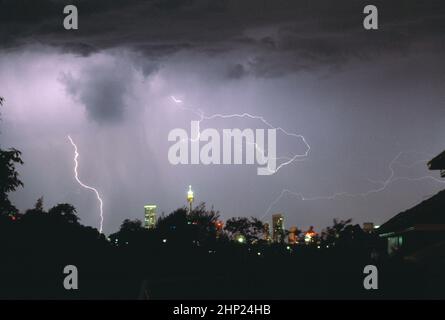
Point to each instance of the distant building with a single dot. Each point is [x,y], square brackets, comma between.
[150,216]
[292,237]
[421,227]
[417,228]
[310,235]
[277,227]
[438,163]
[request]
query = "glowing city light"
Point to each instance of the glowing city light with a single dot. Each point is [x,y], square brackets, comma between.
[307,238]
[240,238]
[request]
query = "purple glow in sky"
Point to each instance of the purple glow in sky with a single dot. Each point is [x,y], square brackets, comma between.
[359,100]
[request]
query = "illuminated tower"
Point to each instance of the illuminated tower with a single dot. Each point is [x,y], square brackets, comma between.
[190,198]
[277,227]
[150,216]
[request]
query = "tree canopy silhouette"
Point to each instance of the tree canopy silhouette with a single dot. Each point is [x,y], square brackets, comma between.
[251,228]
[9,177]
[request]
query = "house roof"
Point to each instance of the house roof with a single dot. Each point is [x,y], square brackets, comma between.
[437,163]
[428,212]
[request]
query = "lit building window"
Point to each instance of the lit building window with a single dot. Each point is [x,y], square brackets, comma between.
[150,216]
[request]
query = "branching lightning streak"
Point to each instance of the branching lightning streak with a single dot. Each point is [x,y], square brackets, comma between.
[289,160]
[384,183]
[76,176]
[391,179]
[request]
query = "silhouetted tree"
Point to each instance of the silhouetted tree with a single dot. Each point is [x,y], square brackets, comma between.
[251,228]
[203,223]
[129,233]
[237,225]
[39,205]
[9,177]
[198,227]
[175,220]
[131,225]
[345,235]
[66,212]
[38,208]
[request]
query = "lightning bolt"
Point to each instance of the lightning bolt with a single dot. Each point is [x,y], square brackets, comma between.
[176,100]
[289,160]
[76,176]
[384,184]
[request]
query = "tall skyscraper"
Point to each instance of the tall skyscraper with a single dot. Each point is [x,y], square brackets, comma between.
[150,216]
[277,227]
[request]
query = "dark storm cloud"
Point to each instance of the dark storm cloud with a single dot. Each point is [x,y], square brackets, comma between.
[236,72]
[301,34]
[82,49]
[101,89]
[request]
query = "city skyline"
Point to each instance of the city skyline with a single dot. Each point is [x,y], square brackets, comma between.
[229,156]
[360,98]
[280,233]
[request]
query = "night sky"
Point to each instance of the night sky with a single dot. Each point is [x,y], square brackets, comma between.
[360,98]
